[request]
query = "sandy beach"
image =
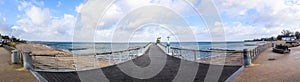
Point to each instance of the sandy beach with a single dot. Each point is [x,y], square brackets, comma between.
[46,58]
[38,49]
[228,59]
[285,68]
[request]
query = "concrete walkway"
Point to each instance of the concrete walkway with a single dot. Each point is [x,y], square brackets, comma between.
[285,68]
[9,72]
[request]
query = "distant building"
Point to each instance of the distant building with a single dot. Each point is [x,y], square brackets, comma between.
[289,38]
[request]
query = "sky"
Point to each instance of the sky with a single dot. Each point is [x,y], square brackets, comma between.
[145,20]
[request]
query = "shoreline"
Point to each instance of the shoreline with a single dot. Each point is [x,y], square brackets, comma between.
[47,58]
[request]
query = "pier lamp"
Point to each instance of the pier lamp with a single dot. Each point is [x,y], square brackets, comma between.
[168,44]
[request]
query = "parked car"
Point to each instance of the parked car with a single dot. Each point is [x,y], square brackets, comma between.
[292,43]
[281,49]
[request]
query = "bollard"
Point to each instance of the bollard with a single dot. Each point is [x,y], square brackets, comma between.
[247,59]
[14,57]
[27,60]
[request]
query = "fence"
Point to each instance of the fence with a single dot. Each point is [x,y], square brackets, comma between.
[217,56]
[123,55]
[251,54]
[61,62]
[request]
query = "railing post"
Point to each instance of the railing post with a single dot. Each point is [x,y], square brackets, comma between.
[56,62]
[172,52]
[255,54]
[14,57]
[109,59]
[27,60]
[179,52]
[95,60]
[247,59]
[120,57]
[195,56]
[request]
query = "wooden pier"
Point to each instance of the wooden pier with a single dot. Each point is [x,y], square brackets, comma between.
[114,74]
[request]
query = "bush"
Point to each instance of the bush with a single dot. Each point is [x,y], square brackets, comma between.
[12,44]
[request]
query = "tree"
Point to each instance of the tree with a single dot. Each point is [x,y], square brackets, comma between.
[279,37]
[297,34]
[5,37]
[286,33]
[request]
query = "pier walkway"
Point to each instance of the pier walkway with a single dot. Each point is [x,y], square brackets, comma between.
[9,73]
[153,57]
[273,67]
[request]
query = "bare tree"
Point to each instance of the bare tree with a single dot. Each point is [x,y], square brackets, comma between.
[286,33]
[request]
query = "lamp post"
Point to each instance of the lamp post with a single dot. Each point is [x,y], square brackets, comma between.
[168,44]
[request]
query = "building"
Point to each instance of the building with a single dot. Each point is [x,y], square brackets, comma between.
[289,38]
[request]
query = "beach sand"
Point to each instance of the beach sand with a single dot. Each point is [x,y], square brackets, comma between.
[38,49]
[284,68]
[55,59]
[228,59]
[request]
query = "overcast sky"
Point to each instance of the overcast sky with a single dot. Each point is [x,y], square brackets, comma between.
[55,20]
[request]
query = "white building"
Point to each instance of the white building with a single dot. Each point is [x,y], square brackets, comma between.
[289,38]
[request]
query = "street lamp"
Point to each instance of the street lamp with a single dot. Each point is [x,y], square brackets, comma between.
[168,44]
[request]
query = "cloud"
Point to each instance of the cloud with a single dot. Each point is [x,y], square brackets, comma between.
[25,4]
[259,18]
[78,8]
[123,9]
[37,15]
[37,23]
[241,19]
[275,12]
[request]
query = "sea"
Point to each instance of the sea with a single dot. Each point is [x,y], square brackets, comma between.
[97,47]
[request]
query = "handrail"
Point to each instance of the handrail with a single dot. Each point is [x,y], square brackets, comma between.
[227,51]
[197,56]
[100,53]
[111,52]
[112,57]
[251,54]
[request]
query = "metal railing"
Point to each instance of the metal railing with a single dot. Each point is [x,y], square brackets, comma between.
[61,62]
[251,54]
[115,57]
[232,57]
[217,56]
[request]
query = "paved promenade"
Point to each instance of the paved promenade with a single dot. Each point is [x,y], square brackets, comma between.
[285,68]
[9,72]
